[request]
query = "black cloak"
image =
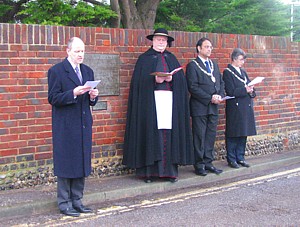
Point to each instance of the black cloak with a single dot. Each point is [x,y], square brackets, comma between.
[141,142]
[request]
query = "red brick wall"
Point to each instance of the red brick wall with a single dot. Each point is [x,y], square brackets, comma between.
[27,52]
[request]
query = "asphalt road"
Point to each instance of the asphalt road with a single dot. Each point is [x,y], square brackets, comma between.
[266,199]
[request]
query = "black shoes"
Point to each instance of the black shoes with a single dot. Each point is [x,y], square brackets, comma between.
[201,172]
[233,165]
[236,165]
[70,212]
[148,180]
[75,212]
[213,169]
[244,164]
[173,180]
[83,209]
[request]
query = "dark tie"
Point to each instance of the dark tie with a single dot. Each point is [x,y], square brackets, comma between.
[78,73]
[207,67]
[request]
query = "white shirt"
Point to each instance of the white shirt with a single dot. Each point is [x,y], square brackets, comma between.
[237,69]
[74,66]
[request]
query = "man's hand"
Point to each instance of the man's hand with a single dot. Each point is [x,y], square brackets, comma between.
[93,93]
[159,79]
[216,99]
[80,90]
[168,78]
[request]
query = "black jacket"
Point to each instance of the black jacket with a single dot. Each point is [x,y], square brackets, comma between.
[202,88]
[240,119]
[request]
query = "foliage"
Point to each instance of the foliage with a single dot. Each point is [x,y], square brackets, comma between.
[64,12]
[4,9]
[296,24]
[261,17]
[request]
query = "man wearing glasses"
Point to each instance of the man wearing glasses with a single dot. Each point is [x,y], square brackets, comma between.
[207,89]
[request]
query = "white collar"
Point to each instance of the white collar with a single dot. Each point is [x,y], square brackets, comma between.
[73,65]
[237,69]
[203,60]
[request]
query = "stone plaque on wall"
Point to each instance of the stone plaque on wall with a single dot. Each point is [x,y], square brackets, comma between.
[106,68]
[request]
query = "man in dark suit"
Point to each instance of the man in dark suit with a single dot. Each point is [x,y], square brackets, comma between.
[207,88]
[71,126]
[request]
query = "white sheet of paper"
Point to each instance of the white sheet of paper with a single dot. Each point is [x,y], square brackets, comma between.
[227,97]
[164,106]
[256,80]
[92,84]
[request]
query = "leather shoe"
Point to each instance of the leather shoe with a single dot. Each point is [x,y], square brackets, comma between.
[148,180]
[213,169]
[173,180]
[233,165]
[244,164]
[201,172]
[83,209]
[70,212]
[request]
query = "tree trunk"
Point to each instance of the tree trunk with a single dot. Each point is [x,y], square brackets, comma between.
[147,12]
[140,15]
[114,5]
[129,15]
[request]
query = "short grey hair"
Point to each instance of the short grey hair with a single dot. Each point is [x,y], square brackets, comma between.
[71,40]
[236,53]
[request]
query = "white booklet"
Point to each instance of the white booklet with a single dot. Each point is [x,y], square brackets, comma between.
[164,106]
[92,84]
[227,97]
[256,80]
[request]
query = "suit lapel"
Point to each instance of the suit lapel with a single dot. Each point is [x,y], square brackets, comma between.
[244,75]
[71,73]
[200,62]
[237,73]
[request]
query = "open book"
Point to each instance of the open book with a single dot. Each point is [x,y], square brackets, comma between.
[166,73]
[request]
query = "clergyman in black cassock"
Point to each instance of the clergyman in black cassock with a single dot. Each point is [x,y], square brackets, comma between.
[157,152]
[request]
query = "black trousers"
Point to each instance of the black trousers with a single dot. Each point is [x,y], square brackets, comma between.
[69,192]
[204,136]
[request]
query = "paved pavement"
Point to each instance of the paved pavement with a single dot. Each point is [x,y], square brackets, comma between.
[41,199]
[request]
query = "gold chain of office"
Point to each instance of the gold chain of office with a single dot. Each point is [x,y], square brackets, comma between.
[236,76]
[207,73]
